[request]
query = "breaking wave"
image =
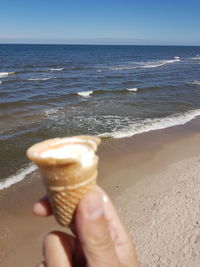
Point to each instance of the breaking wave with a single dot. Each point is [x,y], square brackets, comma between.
[153,124]
[5,74]
[196,58]
[132,89]
[85,93]
[56,69]
[149,64]
[40,79]
[133,128]
[18,176]
[195,83]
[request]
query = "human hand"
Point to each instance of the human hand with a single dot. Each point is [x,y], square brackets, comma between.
[100,238]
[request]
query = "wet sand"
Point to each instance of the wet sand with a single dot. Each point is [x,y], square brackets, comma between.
[154,180]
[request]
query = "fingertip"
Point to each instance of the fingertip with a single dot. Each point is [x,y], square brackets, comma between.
[42,207]
[39,210]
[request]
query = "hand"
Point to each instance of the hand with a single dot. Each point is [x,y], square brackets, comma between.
[100,238]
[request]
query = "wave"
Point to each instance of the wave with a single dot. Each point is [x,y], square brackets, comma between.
[132,89]
[150,88]
[196,58]
[18,176]
[5,74]
[134,127]
[195,83]
[149,64]
[40,79]
[85,93]
[0,82]
[97,92]
[153,124]
[162,63]
[56,69]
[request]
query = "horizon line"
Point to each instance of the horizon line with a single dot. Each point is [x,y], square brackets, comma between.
[96,41]
[94,44]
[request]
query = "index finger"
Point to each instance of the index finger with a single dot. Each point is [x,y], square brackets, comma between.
[42,207]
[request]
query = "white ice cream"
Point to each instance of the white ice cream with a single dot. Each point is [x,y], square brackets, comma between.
[77,152]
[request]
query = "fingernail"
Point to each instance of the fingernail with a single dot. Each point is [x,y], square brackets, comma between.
[105,199]
[95,205]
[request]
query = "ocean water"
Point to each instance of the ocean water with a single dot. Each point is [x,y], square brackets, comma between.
[111,91]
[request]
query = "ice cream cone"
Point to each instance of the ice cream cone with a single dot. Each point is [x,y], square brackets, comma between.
[68,167]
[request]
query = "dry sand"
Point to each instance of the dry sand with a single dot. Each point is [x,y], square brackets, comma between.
[154,180]
[164,218]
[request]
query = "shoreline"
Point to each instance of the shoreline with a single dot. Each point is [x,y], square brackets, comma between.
[190,127]
[139,160]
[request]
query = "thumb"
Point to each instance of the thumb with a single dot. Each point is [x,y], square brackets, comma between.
[93,232]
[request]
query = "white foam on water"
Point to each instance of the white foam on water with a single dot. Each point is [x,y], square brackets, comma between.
[18,176]
[40,79]
[85,93]
[196,82]
[56,69]
[54,113]
[149,64]
[0,82]
[160,63]
[196,58]
[5,74]
[132,129]
[153,124]
[99,70]
[132,89]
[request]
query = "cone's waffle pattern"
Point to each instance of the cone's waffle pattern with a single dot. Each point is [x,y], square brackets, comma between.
[64,202]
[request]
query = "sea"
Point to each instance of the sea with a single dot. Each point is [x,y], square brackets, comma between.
[51,91]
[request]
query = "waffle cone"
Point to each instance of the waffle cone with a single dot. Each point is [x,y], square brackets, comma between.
[65,200]
[66,181]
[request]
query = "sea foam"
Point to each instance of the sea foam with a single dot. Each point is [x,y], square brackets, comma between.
[148,64]
[132,89]
[18,176]
[5,74]
[85,93]
[196,58]
[196,82]
[159,63]
[40,79]
[132,129]
[56,69]
[153,124]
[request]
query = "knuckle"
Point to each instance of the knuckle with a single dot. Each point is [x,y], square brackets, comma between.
[102,242]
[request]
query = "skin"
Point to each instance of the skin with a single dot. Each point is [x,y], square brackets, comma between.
[100,237]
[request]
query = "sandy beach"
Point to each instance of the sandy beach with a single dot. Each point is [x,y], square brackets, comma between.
[154,180]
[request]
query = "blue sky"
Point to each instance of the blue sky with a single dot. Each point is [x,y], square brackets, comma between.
[103,21]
